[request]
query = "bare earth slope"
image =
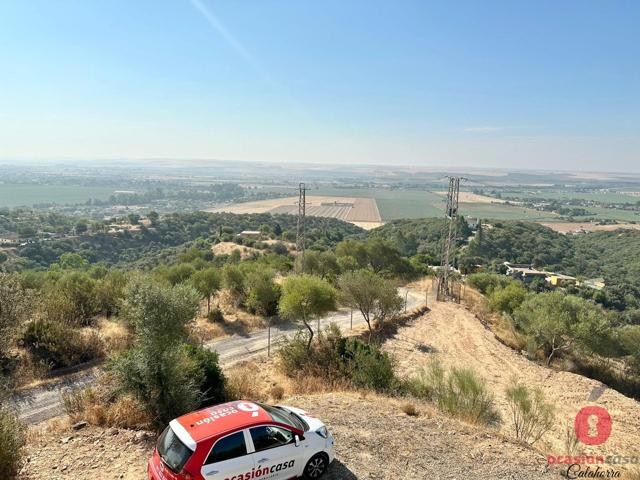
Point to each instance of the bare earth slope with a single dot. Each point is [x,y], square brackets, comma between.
[457,338]
[375,440]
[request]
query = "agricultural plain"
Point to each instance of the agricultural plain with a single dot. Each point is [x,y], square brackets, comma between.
[359,211]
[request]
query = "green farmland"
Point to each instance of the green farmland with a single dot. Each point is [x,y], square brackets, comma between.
[27,195]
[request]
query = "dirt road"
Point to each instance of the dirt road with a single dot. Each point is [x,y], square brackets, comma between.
[454,335]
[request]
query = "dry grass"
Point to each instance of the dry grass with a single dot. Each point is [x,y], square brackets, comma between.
[501,326]
[204,331]
[410,409]
[242,384]
[115,335]
[276,392]
[97,406]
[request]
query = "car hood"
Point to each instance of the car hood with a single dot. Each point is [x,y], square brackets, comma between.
[313,422]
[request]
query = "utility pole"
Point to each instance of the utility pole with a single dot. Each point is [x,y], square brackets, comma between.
[300,237]
[451,211]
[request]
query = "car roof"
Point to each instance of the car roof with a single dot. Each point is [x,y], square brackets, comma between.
[217,419]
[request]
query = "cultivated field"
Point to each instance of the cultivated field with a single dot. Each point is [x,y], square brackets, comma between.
[359,211]
[470,197]
[21,195]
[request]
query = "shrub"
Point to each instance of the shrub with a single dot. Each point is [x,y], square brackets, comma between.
[98,406]
[12,441]
[57,345]
[507,299]
[367,365]
[166,383]
[460,392]
[215,315]
[276,392]
[486,282]
[409,409]
[212,384]
[336,359]
[532,416]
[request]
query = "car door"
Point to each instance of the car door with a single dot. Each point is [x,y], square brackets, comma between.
[228,458]
[275,452]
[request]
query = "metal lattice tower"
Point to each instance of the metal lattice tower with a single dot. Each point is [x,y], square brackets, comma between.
[451,211]
[302,204]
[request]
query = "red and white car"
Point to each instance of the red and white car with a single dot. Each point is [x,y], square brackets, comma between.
[242,441]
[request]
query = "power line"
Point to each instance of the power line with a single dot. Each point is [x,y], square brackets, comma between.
[448,247]
[301,235]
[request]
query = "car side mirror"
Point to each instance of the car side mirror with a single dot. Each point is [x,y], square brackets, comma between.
[297,440]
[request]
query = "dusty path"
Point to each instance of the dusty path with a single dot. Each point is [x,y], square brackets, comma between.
[42,403]
[456,337]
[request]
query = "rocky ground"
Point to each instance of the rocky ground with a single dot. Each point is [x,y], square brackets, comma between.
[375,440]
[88,453]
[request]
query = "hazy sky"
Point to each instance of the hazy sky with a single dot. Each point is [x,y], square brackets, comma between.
[549,84]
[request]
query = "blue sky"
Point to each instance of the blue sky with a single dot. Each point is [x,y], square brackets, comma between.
[540,84]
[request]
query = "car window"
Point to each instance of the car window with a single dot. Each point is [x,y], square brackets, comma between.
[172,451]
[269,437]
[226,448]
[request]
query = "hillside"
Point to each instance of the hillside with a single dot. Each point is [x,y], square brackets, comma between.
[456,337]
[153,245]
[375,439]
[614,255]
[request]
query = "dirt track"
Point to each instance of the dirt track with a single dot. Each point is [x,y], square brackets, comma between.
[456,337]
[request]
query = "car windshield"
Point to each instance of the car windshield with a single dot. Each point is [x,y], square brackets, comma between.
[173,452]
[279,414]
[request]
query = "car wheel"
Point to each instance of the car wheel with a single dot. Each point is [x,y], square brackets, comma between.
[316,466]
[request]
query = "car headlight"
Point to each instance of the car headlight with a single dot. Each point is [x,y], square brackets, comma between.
[323,432]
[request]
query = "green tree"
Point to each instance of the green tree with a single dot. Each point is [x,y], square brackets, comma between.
[160,370]
[233,280]
[304,298]
[375,297]
[508,298]
[153,217]
[109,291]
[72,299]
[559,323]
[14,309]
[207,282]
[321,264]
[179,273]
[262,292]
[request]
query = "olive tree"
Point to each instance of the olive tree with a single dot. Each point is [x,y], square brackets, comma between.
[376,298]
[206,282]
[304,298]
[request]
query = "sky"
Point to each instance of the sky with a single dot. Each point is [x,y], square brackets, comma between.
[505,84]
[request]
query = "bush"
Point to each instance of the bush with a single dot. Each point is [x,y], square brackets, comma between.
[460,392]
[276,392]
[485,283]
[98,406]
[212,385]
[166,383]
[336,359]
[409,409]
[532,416]
[507,299]
[215,315]
[12,441]
[57,345]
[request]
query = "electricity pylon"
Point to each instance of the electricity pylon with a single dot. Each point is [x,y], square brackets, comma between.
[451,211]
[300,236]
